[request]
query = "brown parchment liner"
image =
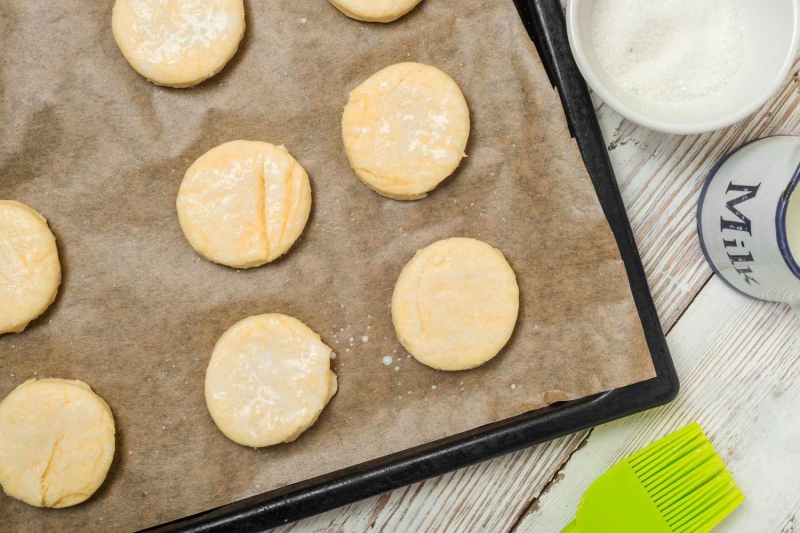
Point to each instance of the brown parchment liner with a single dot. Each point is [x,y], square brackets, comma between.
[101,153]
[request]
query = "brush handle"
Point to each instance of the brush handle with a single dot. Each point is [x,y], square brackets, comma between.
[571,528]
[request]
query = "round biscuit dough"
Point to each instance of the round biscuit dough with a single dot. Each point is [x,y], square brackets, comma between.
[268,380]
[244,203]
[455,304]
[56,442]
[375,10]
[405,130]
[178,43]
[30,272]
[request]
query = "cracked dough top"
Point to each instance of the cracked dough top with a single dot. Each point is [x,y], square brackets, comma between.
[455,304]
[56,442]
[30,272]
[375,10]
[244,203]
[178,43]
[405,130]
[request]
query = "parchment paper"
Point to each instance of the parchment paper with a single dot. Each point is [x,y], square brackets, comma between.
[101,153]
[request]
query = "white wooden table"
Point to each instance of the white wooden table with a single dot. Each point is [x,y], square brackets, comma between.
[738,361]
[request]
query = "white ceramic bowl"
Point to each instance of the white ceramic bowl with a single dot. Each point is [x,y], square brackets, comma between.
[772,36]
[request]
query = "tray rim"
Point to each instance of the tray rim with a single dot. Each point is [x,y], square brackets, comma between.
[546,26]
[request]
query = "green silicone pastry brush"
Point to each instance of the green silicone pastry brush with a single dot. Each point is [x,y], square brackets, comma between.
[676,485]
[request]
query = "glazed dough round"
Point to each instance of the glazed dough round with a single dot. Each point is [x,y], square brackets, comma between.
[178,43]
[268,380]
[29,269]
[56,442]
[455,304]
[375,10]
[244,203]
[405,130]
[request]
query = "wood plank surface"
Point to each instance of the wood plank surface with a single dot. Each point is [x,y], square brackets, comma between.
[660,177]
[739,361]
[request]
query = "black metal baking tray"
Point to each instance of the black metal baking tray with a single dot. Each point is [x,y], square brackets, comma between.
[544,20]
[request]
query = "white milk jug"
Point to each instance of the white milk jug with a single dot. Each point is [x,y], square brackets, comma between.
[748,218]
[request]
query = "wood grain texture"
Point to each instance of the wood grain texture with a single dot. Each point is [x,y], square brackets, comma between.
[660,177]
[739,362]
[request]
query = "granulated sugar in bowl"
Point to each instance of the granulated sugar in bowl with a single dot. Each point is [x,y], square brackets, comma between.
[684,66]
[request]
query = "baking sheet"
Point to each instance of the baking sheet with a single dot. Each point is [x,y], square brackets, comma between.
[101,152]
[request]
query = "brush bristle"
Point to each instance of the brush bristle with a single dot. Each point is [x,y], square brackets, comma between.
[687,481]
